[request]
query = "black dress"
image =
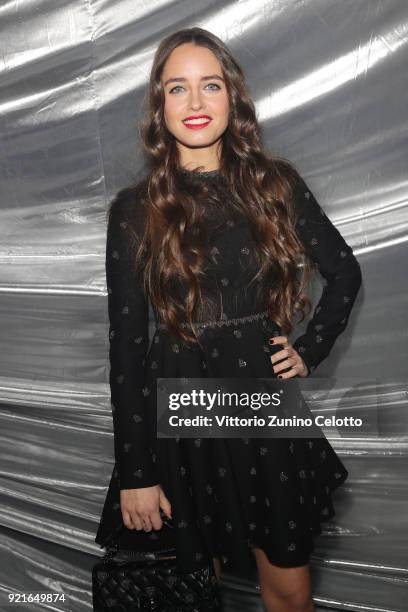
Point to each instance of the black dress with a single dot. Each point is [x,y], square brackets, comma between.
[227,494]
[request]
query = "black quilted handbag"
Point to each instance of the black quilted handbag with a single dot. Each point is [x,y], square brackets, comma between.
[130,581]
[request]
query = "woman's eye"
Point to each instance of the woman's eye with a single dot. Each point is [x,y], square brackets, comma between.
[179,86]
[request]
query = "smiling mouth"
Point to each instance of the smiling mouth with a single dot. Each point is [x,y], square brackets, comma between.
[196,124]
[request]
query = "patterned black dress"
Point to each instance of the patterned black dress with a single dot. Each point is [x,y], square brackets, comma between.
[227,494]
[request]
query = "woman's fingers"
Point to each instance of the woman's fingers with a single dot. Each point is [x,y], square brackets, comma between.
[146,522]
[140,508]
[284,365]
[288,357]
[127,521]
[165,504]
[138,523]
[156,520]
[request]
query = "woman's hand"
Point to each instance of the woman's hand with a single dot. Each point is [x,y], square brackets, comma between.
[291,359]
[140,507]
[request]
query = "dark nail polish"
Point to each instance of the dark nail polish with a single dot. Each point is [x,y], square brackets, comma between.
[271,340]
[279,376]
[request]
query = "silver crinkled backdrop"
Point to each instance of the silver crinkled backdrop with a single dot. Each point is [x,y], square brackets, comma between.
[329,81]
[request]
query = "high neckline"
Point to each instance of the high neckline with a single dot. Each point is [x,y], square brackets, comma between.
[201,173]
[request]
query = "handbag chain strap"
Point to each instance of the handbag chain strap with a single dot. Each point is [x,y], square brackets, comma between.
[113,550]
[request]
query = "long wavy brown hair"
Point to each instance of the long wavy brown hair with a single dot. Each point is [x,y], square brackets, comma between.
[261,185]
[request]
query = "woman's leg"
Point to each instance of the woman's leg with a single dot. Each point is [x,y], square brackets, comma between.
[283,589]
[217,567]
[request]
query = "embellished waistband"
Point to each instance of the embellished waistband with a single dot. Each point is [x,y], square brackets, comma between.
[223,321]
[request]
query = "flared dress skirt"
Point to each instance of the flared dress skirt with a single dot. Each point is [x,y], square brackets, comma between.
[229,495]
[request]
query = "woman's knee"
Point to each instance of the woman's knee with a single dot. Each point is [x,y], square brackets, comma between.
[290,587]
[295,600]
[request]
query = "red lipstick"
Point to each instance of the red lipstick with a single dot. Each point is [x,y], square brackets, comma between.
[196,122]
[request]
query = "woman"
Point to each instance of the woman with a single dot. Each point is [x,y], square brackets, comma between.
[214,237]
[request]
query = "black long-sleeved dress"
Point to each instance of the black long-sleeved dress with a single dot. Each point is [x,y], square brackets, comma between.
[227,494]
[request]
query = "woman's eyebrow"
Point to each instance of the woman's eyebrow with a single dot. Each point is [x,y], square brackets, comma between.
[204,78]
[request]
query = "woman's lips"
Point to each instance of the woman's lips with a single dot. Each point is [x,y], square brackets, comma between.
[197,126]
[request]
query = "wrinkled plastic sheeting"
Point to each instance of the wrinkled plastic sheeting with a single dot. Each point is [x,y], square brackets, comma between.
[327,80]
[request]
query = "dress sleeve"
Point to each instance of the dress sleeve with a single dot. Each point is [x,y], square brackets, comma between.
[338,266]
[128,337]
